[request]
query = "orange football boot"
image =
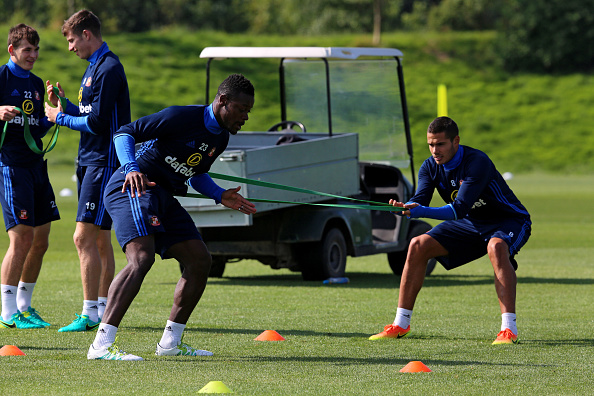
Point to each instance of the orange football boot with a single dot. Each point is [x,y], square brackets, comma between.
[506,337]
[391,331]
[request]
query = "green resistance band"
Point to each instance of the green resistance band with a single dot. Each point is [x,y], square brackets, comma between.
[369,205]
[27,133]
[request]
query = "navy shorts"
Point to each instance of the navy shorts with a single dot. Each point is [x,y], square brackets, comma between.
[155,213]
[92,181]
[27,196]
[467,240]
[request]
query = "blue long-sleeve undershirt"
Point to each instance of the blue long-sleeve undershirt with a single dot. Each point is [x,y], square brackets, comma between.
[125,150]
[204,184]
[73,122]
[71,108]
[445,212]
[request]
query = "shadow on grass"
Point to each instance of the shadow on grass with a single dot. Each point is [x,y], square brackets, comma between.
[362,280]
[256,332]
[557,281]
[38,348]
[400,361]
[288,333]
[355,361]
[585,342]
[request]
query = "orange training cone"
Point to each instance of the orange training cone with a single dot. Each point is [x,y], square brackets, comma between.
[415,367]
[11,350]
[269,335]
[215,387]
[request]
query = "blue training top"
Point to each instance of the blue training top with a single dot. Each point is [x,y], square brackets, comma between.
[180,144]
[471,186]
[104,106]
[23,89]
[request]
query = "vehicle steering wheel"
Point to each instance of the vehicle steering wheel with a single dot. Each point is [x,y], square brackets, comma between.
[283,125]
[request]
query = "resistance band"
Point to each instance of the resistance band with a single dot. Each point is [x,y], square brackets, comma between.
[27,133]
[371,205]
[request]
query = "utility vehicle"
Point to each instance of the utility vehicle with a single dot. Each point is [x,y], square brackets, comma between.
[343,129]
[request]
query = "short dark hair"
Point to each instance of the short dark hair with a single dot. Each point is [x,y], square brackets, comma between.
[21,31]
[444,124]
[82,20]
[234,85]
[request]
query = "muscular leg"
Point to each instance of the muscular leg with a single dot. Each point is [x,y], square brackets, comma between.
[140,253]
[107,261]
[421,249]
[32,265]
[21,239]
[196,261]
[85,239]
[505,276]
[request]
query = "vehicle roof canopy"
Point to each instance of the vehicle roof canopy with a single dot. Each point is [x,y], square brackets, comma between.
[297,52]
[367,95]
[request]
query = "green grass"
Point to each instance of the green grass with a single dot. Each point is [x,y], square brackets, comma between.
[526,123]
[326,328]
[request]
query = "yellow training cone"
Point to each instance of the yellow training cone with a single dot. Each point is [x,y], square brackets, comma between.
[269,335]
[215,387]
[415,367]
[11,350]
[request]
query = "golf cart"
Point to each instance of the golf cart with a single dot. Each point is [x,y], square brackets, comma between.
[343,130]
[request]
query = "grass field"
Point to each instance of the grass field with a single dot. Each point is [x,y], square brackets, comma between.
[326,351]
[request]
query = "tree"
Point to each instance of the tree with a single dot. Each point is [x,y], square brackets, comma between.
[547,35]
[313,17]
[377,21]
[465,15]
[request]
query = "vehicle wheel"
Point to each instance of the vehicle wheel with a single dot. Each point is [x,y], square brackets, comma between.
[325,259]
[397,259]
[216,269]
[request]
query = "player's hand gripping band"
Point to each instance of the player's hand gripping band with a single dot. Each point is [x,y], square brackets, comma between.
[27,133]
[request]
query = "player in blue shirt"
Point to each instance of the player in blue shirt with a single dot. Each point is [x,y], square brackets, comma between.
[180,145]
[482,216]
[26,195]
[104,106]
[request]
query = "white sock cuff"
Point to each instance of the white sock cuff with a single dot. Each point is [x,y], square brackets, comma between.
[508,321]
[26,285]
[176,326]
[9,305]
[402,318]
[105,336]
[172,334]
[9,289]
[24,295]
[107,327]
[404,311]
[91,309]
[101,305]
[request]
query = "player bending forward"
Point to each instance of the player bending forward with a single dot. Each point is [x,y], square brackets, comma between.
[180,145]
[483,216]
